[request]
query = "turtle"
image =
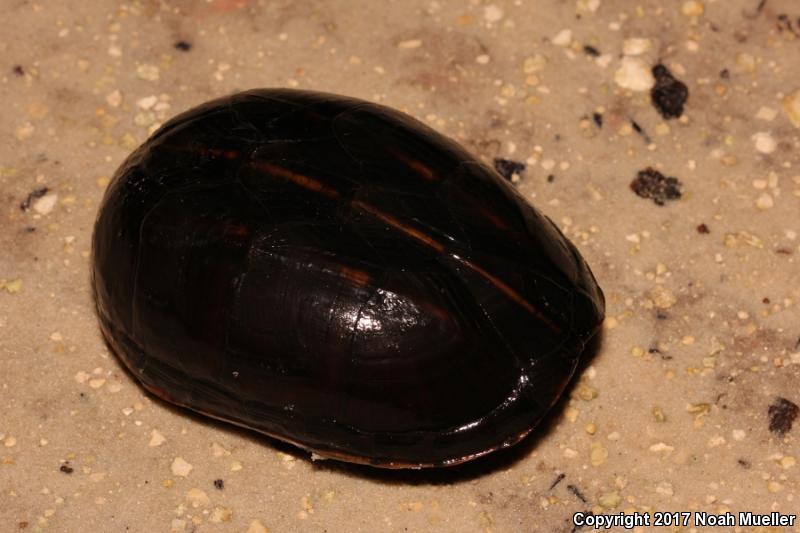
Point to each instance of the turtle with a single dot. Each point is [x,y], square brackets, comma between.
[334,273]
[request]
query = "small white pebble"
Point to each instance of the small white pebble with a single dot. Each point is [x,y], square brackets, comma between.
[665,488]
[764,142]
[114,98]
[692,8]
[766,113]
[411,43]
[717,440]
[563,38]
[609,500]
[197,497]
[45,204]
[218,450]
[148,72]
[765,201]
[634,74]
[635,46]
[221,514]
[492,13]
[482,59]
[156,439]
[534,64]
[738,434]
[147,102]
[257,527]
[662,447]
[180,467]
[603,60]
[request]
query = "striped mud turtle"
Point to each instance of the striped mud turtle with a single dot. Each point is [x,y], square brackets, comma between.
[335,274]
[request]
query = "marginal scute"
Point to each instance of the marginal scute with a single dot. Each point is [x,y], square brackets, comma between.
[335,274]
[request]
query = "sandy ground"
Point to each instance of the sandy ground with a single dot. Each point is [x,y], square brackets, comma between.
[687,403]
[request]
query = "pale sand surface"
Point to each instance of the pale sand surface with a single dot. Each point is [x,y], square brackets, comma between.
[703,327]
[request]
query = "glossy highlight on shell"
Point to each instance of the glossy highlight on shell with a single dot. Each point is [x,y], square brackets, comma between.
[335,274]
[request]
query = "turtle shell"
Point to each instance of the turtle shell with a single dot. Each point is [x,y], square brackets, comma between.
[335,274]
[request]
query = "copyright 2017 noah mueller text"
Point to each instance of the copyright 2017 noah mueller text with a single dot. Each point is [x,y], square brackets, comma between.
[684,519]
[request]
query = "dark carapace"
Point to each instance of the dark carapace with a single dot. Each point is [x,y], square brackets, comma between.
[336,274]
